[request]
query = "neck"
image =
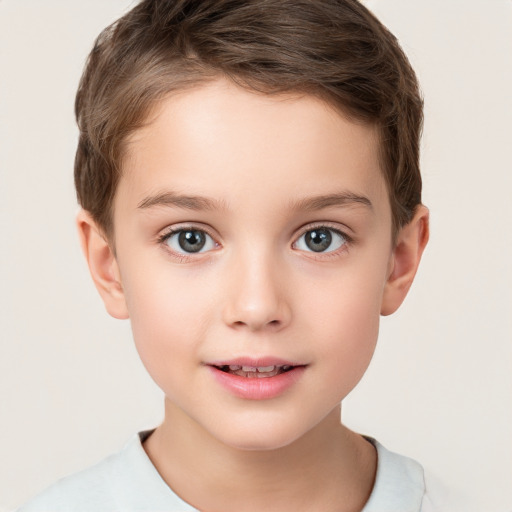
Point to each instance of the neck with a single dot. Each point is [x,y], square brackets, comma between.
[328,468]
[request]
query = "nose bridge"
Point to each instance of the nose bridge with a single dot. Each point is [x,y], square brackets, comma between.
[256,298]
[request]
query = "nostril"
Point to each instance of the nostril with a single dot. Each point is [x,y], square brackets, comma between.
[273,323]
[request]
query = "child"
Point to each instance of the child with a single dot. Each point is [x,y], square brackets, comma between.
[251,200]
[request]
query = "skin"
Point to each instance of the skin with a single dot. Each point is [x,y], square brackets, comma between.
[256,290]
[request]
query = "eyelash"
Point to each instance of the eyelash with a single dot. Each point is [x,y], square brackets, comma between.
[347,241]
[185,257]
[182,257]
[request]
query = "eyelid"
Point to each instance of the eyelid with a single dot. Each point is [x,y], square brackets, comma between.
[186,226]
[342,230]
[167,232]
[331,227]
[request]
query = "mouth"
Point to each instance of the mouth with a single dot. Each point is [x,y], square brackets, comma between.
[257,379]
[255,372]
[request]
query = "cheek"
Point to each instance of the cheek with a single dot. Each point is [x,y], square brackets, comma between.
[169,316]
[345,318]
[350,335]
[163,301]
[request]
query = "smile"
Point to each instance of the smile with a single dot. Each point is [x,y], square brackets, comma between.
[255,372]
[257,379]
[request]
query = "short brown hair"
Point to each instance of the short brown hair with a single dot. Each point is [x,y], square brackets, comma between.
[334,49]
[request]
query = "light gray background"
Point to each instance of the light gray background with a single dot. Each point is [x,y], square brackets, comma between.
[440,386]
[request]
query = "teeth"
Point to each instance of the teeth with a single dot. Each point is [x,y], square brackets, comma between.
[260,369]
[264,369]
[255,371]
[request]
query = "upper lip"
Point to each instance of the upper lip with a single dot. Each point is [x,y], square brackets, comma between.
[260,362]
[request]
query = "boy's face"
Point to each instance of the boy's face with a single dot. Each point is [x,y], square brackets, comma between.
[252,231]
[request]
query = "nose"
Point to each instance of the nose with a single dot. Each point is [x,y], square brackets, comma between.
[256,296]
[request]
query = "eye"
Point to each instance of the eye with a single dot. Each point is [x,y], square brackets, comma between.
[321,239]
[189,241]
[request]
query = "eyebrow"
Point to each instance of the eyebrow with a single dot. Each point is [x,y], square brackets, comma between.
[189,202]
[329,200]
[173,199]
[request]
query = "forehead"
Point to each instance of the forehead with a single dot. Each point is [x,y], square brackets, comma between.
[235,144]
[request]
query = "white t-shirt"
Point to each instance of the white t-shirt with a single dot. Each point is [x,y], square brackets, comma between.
[128,482]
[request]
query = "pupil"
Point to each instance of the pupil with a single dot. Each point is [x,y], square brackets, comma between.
[318,240]
[192,241]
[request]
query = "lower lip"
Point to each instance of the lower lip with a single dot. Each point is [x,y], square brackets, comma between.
[254,388]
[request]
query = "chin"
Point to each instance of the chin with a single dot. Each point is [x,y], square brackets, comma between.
[258,436]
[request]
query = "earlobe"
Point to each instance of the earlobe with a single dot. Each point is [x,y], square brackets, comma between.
[102,265]
[410,243]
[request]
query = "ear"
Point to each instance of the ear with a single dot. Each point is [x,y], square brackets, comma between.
[406,256]
[102,265]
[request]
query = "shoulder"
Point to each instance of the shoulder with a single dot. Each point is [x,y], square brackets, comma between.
[440,498]
[401,485]
[92,487]
[125,481]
